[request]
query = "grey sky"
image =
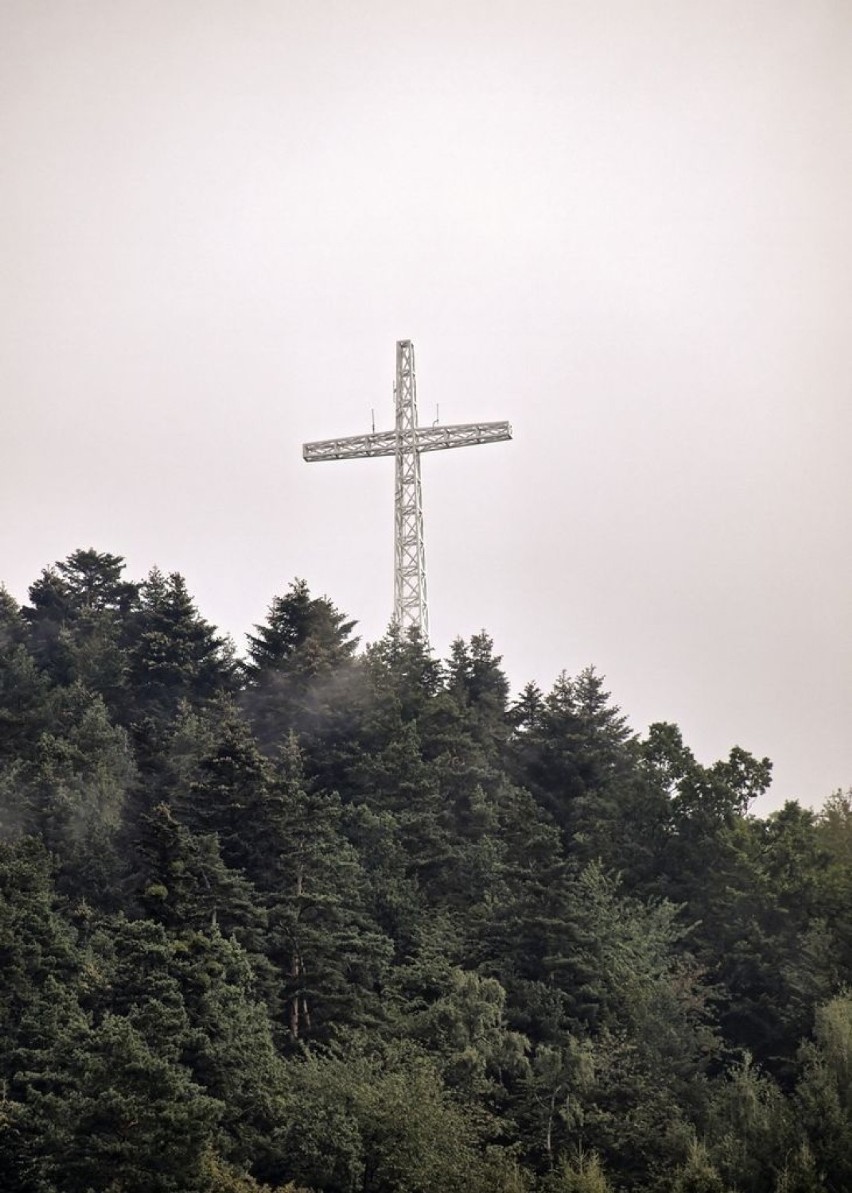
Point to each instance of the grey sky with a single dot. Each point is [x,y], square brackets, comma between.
[624,226]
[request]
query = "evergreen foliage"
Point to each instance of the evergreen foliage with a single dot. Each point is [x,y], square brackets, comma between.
[332,920]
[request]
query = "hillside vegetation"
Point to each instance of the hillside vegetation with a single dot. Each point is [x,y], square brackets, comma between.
[353,920]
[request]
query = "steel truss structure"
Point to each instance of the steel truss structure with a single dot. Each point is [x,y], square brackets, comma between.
[406,443]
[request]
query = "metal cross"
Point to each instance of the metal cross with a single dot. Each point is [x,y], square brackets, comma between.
[407,442]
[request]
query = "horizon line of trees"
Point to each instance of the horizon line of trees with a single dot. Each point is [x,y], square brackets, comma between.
[327,919]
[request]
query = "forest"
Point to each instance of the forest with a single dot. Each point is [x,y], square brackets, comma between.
[327,917]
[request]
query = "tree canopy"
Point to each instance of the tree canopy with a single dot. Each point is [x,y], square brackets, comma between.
[340,919]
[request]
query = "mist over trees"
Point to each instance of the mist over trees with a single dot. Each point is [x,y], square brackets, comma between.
[352,919]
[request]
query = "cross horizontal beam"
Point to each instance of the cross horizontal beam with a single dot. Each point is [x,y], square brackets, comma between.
[426,439]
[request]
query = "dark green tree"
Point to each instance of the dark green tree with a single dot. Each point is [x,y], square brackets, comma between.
[330,953]
[300,672]
[73,793]
[96,1107]
[475,679]
[174,655]
[24,689]
[36,943]
[229,790]
[575,752]
[77,618]
[184,884]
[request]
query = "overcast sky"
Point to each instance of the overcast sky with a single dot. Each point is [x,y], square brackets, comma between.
[623,225]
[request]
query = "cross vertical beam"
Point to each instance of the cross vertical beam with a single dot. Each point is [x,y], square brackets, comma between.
[410,607]
[406,443]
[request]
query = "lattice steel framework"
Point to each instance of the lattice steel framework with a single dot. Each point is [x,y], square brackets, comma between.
[406,443]
[409,589]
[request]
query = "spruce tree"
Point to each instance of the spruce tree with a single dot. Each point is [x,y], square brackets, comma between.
[174,655]
[300,671]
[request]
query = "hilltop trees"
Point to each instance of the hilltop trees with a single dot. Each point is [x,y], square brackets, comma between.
[332,920]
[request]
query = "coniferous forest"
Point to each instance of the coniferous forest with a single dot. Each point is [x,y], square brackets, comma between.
[350,919]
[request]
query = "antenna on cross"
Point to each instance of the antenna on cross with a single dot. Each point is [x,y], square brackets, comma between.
[406,443]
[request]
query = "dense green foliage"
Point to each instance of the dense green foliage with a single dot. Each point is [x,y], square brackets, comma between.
[350,920]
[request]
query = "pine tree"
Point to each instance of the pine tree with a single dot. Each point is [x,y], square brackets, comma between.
[174,655]
[74,793]
[77,620]
[475,679]
[36,944]
[229,791]
[184,884]
[575,753]
[404,675]
[330,953]
[97,1107]
[300,670]
[24,704]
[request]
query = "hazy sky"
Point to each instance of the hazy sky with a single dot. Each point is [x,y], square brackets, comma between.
[623,225]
